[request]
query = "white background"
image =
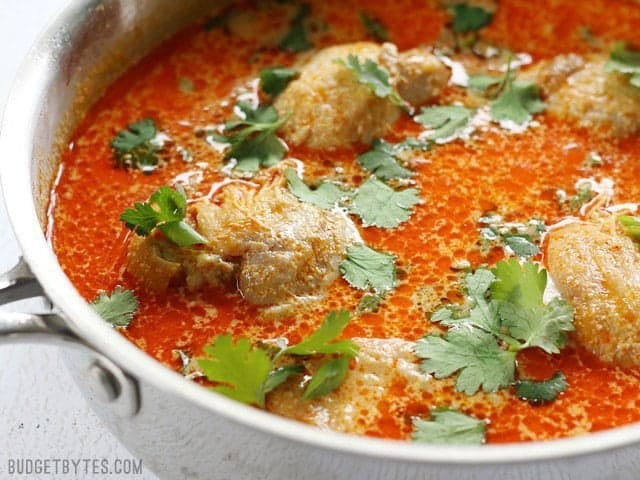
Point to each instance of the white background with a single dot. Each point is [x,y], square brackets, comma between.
[42,414]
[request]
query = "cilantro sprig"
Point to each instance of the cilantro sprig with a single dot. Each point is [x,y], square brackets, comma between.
[248,373]
[375,77]
[366,268]
[626,60]
[469,18]
[165,211]
[376,203]
[539,392]
[523,239]
[117,308]
[445,122]
[252,138]
[382,159]
[504,315]
[274,80]
[448,426]
[296,40]
[134,147]
[326,195]
[374,27]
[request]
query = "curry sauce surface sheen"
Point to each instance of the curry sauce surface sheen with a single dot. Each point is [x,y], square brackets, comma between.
[516,175]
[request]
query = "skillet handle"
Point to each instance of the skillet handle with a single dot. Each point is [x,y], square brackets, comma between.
[106,382]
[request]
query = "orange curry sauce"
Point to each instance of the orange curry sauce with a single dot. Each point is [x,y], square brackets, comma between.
[515,175]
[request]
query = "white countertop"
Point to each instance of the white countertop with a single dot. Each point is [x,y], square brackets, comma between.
[42,414]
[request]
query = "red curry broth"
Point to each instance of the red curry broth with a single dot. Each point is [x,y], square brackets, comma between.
[515,175]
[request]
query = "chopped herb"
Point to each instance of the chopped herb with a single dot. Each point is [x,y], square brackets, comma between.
[483,83]
[165,210]
[323,340]
[447,122]
[186,85]
[134,147]
[252,138]
[469,18]
[584,194]
[296,39]
[247,373]
[370,302]
[375,77]
[366,268]
[522,239]
[274,80]
[326,195]
[504,315]
[545,391]
[373,27]
[117,308]
[626,60]
[241,371]
[378,204]
[382,159]
[518,101]
[631,226]
[329,376]
[448,426]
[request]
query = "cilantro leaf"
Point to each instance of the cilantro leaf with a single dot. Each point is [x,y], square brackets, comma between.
[541,392]
[252,139]
[165,210]
[296,39]
[375,77]
[329,376]
[631,226]
[382,159]
[521,245]
[448,426]
[483,82]
[323,340]
[475,354]
[134,148]
[274,80]
[364,268]
[240,370]
[370,302]
[469,18]
[373,27]
[519,291]
[378,204]
[626,60]
[326,195]
[280,375]
[447,122]
[517,102]
[521,238]
[117,308]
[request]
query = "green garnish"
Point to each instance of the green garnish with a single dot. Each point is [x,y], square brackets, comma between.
[134,147]
[482,83]
[165,211]
[448,426]
[247,373]
[631,226]
[382,159]
[241,371]
[378,204]
[375,77]
[447,122]
[274,80]
[186,85]
[370,302]
[323,340]
[584,194]
[117,308]
[626,60]
[373,27]
[296,39]
[327,195]
[366,268]
[523,239]
[544,391]
[469,18]
[327,378]
[252,139]
[505,314]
